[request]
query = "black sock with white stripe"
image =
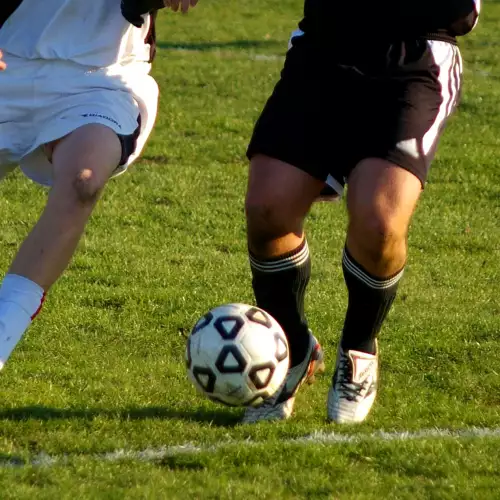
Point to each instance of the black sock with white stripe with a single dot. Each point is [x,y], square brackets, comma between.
[370,299]
[279,286]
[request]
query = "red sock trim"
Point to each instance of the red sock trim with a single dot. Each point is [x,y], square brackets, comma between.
[40,306]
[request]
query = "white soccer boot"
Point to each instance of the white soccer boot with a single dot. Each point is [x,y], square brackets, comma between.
[280,406]
[354,387]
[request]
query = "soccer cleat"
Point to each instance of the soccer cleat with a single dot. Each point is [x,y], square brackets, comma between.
[354,387]
[280,406]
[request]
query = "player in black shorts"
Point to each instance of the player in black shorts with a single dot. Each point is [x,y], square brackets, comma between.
[363,98]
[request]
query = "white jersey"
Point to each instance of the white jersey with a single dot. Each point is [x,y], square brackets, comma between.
[87,32]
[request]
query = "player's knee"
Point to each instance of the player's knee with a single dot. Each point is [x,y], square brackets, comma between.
[378,236]
[86,186]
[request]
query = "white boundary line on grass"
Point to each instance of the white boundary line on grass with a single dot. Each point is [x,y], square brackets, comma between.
[316,438]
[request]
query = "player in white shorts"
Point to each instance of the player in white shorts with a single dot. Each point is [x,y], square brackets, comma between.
[77,105]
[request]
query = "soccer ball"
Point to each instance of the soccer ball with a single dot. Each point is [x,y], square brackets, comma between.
[237,355]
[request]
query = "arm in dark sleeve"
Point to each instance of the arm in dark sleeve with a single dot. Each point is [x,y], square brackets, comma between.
[467,12]
[133,10]
[457,17]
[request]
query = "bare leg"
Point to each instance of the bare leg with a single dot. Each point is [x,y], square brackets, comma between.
[83,162]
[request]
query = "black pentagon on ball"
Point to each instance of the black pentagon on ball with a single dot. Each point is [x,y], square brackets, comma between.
[202,323]
[208,380]
[259,316]
[229,326]
[252,375]
[226,353]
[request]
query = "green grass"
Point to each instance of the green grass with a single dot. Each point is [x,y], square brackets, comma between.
[102,368]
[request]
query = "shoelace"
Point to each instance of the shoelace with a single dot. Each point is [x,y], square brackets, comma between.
[352,391]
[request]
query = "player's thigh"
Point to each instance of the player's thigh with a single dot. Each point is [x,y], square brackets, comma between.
[86,158]
[410,107]
[381,199]
[279,196]
[287,152]
[76,122]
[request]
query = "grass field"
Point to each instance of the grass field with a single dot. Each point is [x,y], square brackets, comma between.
[102,368]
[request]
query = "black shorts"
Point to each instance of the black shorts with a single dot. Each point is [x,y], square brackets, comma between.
[129,143]
[330,111]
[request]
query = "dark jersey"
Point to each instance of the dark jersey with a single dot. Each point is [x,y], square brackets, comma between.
[390,19]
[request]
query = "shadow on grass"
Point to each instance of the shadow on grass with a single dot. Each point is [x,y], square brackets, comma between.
[217,417]
[11,460]
[233,44]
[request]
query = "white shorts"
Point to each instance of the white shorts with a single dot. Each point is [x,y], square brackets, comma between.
[42,101]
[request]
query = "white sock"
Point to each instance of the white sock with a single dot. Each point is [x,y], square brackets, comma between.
[20,301]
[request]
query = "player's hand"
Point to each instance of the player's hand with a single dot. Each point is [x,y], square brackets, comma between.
[2,64]
[184,5]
